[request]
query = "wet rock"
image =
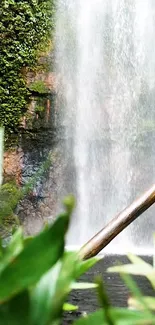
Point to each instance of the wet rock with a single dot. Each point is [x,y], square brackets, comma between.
[49,79]
[12,166]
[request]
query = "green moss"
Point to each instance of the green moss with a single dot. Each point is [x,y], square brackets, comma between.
[9,198]
[25,31]
[39,109]
[39,87]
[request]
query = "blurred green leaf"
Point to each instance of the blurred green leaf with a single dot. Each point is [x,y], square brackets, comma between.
[16,311]
[69,203]
[38,257]
[154,251]
[136,304]
[83,285]
[138,260]
[51,292]
[70,307]
[136,292]
[43,295]
[125,316]
[121,316]
[104,301]
[84,266]
[16,243]
[131,269]
[96,318]
[27,240]
[13,249]
[139,267]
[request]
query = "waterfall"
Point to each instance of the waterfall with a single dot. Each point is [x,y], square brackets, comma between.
[105,63]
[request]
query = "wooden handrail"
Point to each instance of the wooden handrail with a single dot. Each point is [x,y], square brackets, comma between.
[120,222]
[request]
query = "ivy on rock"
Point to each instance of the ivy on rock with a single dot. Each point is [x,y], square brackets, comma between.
[25,31]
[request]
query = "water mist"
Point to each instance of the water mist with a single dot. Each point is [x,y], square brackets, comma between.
[105,63]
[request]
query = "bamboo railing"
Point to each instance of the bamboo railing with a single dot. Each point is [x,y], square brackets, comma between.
[120,222]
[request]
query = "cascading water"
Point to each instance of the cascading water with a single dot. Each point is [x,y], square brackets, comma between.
[105,60]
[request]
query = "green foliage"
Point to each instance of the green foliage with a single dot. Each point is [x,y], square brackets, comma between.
[10,194]
[144,307]
[36,275]
[39,87]
[25,30]
[9,197]
[138,267]
[120,316]
[39,109]
[69,307]
[20,274]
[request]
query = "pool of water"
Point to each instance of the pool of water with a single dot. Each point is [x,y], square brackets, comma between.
[117,292]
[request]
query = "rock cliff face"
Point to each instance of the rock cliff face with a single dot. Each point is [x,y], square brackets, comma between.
[40,114]
[36,140]
[48,78]
[40,205]
[37,121]
[13,160]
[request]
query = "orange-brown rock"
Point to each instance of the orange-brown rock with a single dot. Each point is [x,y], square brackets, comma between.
[12,165]
[49,78]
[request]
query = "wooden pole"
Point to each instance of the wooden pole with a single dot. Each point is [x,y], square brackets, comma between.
[120,222]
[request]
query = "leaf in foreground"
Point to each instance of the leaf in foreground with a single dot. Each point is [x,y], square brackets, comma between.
[38,257]
[104,301]
[16,310]
[121,316]
[84,266]
[52,290]
[69,307]
[136,292]
[136,304]
[139,267]
[83,285]
[13,249]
